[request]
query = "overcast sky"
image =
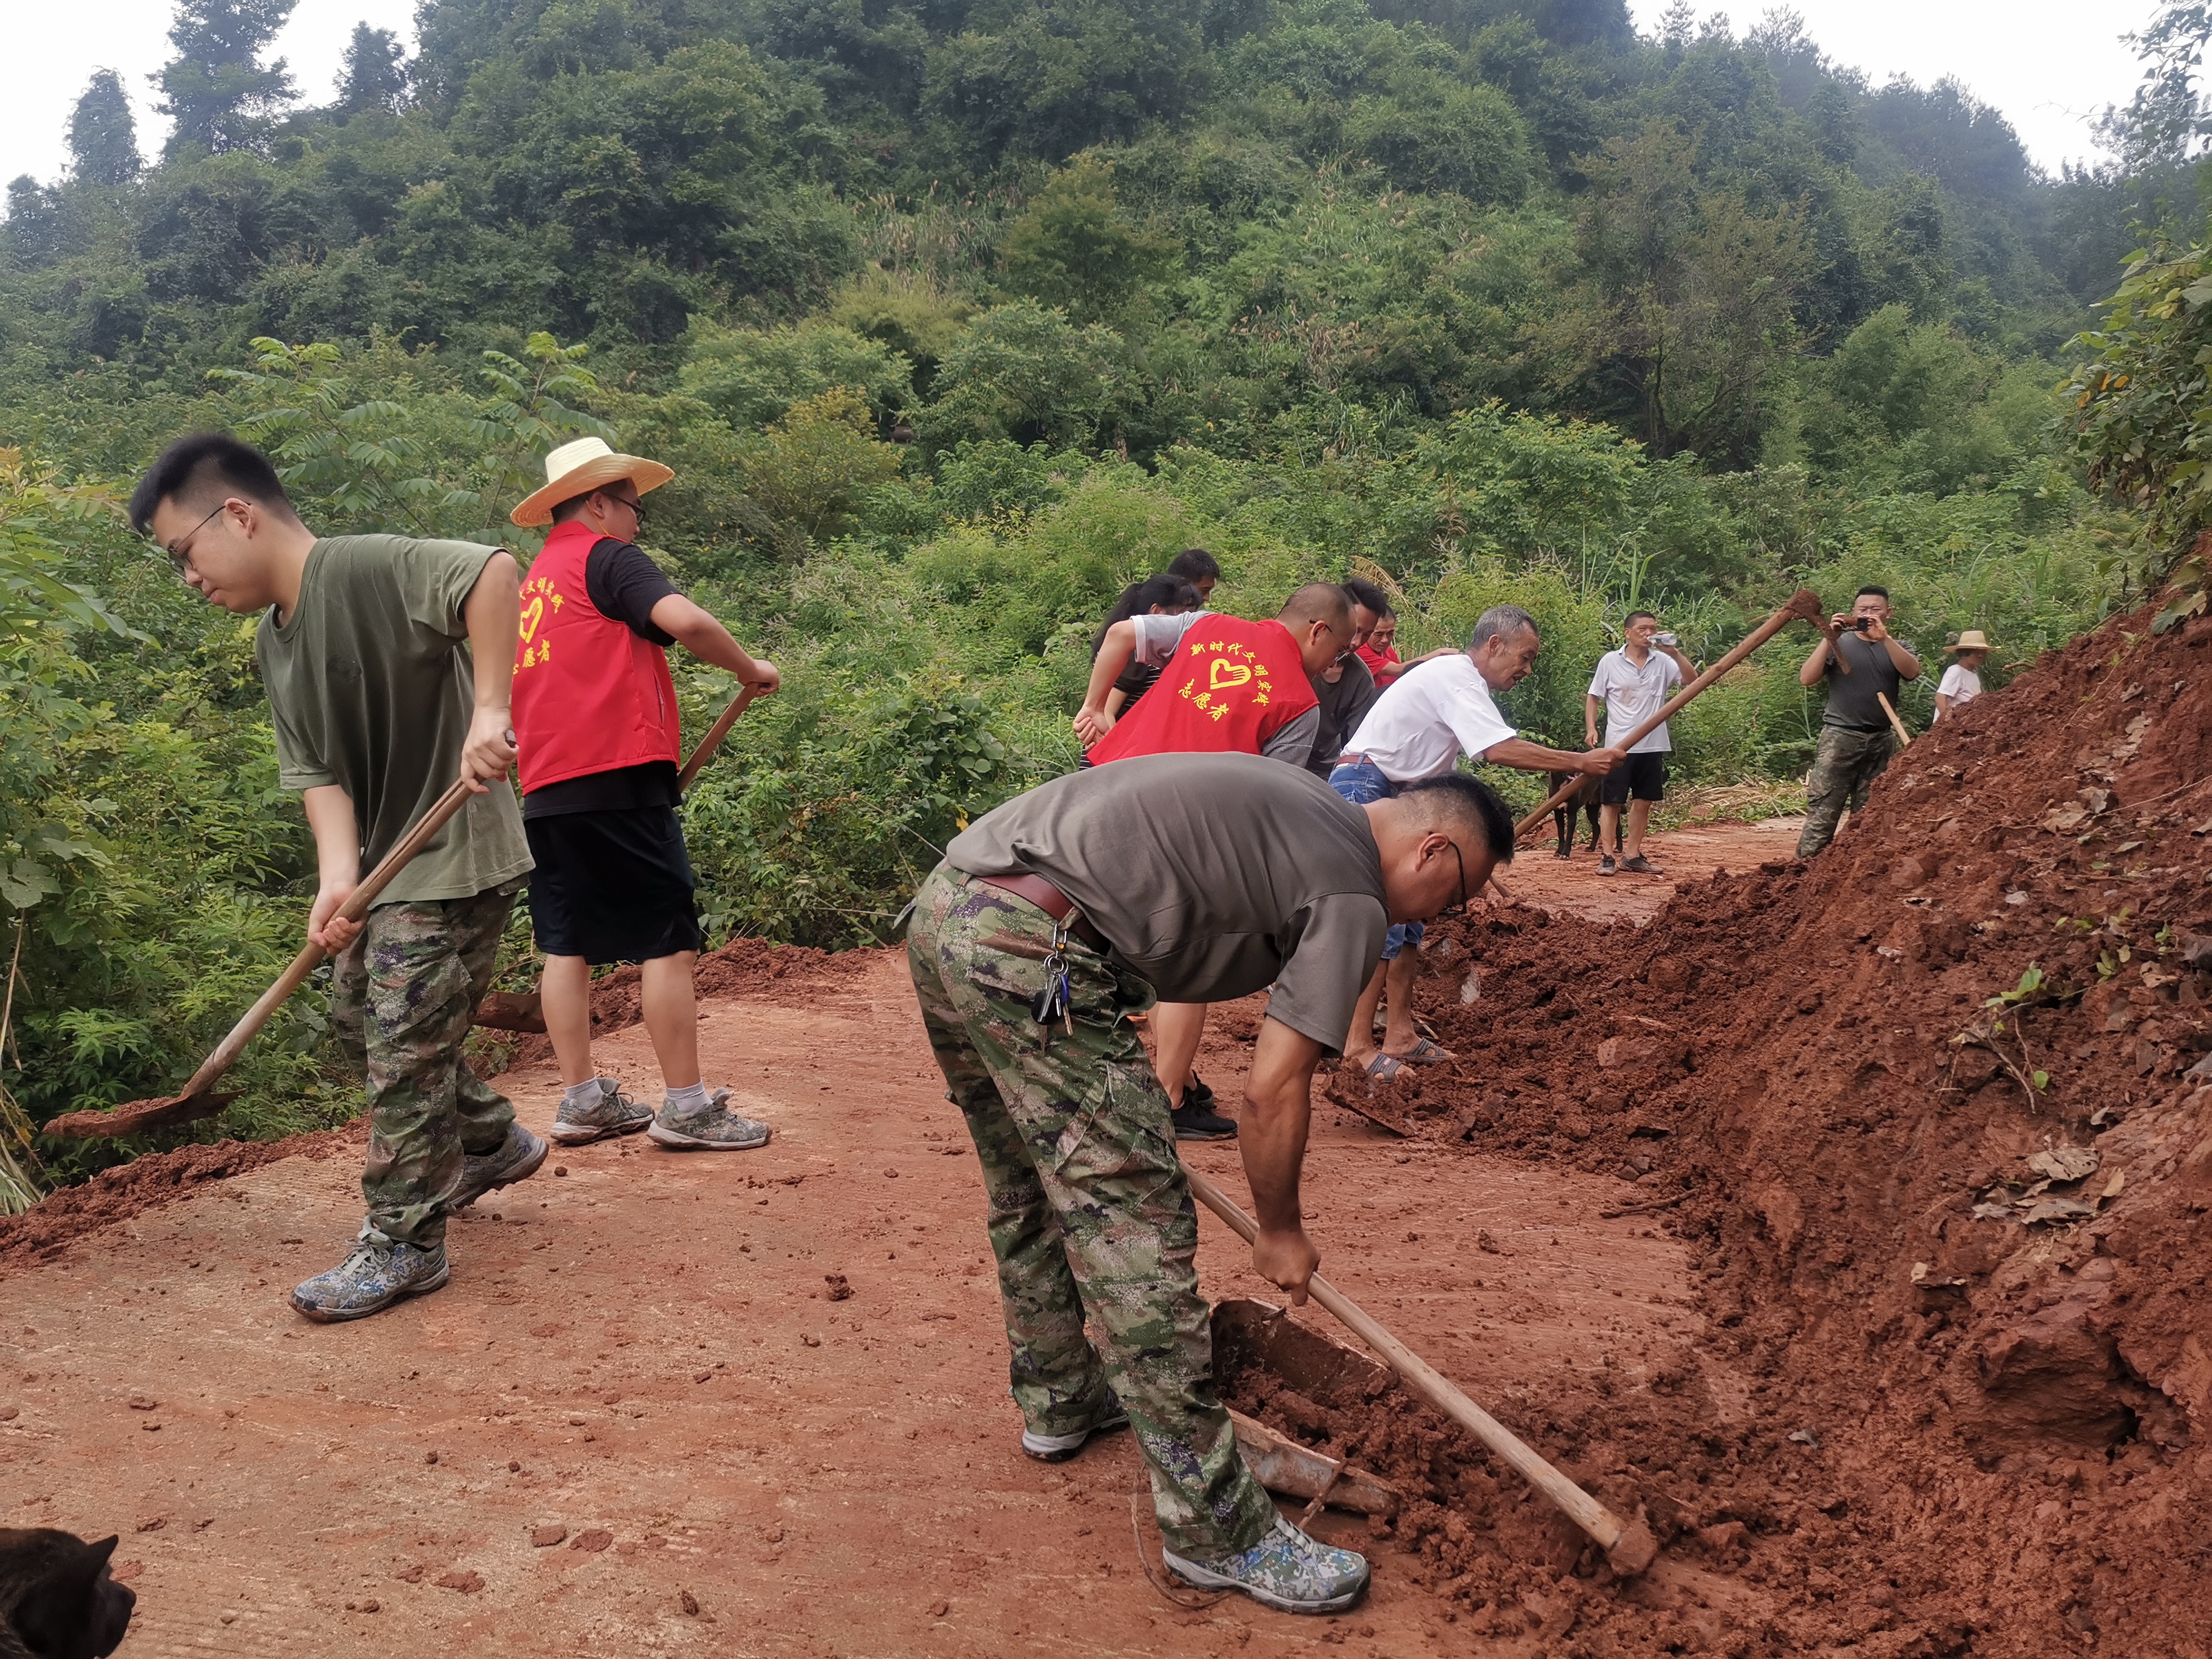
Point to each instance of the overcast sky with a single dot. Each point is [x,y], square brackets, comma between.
[2048,65]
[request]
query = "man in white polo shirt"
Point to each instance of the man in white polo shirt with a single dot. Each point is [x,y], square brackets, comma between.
[1629,685]
[1437,710]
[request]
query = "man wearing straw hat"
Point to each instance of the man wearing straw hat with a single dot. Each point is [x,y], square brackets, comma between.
[597,730]
[1962,681]
[385,662]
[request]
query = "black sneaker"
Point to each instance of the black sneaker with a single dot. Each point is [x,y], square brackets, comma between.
[1605,865]
[1196,1123]
[1642,867]
[1198,1094]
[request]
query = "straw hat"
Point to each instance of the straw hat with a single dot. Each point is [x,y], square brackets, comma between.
[578,469]
[1973,640]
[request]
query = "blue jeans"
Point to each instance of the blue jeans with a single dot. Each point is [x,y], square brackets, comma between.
[1361,782]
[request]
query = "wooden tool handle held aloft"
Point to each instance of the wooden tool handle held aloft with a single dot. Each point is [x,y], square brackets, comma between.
[1804,606]
[1904,736]
[194,1101]
[712,740]
[1629,1545]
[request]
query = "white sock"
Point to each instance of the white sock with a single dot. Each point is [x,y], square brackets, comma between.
[588,1093]
[681,1101]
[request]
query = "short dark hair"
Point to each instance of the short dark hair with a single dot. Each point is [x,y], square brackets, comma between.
[1500,621]
[1879,593]
[202,469]
[1368,597]
[1458,804]
[1195,564]
[1319,602]
[1649,616]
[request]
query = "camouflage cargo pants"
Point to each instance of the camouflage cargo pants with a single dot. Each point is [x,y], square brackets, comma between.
[1089,1213]
[402,998]
[1844,767]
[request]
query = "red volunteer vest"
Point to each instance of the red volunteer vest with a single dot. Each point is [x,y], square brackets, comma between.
[1230,686]
[589,695]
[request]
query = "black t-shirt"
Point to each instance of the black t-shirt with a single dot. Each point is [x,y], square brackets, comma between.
[623,585]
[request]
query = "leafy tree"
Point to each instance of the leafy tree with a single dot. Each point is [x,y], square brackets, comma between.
[818,461]
[216,89]
[751,377]
[372,76]
[103,135]
[1028,374]
[1074,247]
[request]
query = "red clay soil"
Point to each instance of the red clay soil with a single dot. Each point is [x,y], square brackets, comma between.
[1982,1395]
[1730,1213]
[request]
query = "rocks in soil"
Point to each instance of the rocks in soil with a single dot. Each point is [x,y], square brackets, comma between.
[594,1540]
[545,1538]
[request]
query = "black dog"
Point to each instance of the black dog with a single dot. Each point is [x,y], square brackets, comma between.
[57,1601]
[1563,815]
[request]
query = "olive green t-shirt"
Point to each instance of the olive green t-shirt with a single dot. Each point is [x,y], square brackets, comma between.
[1211,876]
[371,687]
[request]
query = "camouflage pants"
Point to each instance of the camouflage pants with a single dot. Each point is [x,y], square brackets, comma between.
[402,998]
[1089,1213]
[1844,767]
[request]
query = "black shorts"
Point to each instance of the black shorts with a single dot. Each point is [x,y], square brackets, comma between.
[612,886]
[1644,776]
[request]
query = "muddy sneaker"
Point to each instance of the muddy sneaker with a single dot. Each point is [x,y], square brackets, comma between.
[1285,1569]
[715,1129]
[516,1159]
[1605,864]
[1059,1448]
[613,1112]
[381,1271]
[1196,1123]
[1642,867]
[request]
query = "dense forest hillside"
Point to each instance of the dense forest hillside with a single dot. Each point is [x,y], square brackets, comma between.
[953,318]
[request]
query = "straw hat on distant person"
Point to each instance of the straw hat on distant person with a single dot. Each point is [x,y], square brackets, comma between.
[1973,640]
[578,469]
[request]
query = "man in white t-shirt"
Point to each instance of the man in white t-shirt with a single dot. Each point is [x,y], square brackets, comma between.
[1441,708]
[1962,681]
[1629,685]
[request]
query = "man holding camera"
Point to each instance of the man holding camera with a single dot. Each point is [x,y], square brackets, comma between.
[1863,665]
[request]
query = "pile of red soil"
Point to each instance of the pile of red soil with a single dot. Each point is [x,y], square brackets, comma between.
[45,1229]
[1979,1411]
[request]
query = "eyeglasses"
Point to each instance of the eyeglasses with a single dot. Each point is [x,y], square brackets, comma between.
[180,551]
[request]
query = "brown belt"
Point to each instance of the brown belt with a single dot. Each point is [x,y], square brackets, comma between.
[1054,903]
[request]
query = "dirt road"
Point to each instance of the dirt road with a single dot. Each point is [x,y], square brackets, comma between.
[636,1398]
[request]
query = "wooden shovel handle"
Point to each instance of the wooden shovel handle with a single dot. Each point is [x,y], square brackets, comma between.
[1585,1511]
[712,740]
[354,908]
[1904,736]
[1804,605]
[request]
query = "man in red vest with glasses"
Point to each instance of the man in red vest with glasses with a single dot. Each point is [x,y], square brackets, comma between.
[1226,686]
[597,730]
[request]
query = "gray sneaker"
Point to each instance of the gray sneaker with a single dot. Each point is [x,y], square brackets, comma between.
[516,1159]
[379,1273]
[1059,1448]
[716,1129]
[613,1112]
[1286,1570]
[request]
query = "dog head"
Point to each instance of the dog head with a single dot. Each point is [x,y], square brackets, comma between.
[56,1598]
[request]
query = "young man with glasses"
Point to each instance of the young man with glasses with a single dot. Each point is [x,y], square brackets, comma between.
[596,724]
[1053,918]
[386,660]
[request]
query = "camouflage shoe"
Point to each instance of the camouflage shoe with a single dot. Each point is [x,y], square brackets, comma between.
[613,1112]
[1286,1570]
[379,1273]
[715,1129]
[516,1159]
[1059,1448]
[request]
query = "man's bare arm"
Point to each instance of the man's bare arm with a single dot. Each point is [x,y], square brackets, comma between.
[1271,1134]
[1525,756]
[1092,722]
[493,613]
[697,631]
[337,864]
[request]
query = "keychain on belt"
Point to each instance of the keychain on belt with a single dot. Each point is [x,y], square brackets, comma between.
[1055,1001]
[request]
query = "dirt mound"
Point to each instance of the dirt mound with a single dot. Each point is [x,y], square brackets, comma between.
[46,1228]
[790,974]
[1933,1111]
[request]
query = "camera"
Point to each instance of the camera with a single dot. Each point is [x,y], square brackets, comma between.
[1862,624]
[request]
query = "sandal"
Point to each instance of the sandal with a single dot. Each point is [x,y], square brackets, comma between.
[1425,1053]
[1383,1068]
